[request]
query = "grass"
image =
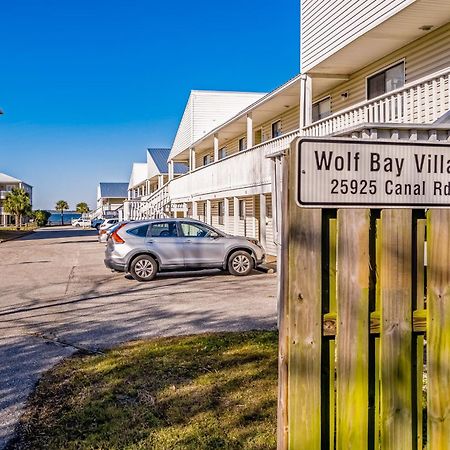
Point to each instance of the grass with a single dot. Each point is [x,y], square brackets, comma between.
[7,233]
[214,391]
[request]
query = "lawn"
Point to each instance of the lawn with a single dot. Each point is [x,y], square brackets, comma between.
[214,391]
[12,233]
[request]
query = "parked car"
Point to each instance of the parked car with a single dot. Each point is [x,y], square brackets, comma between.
[96,223]
[107,223]
[145,248]
[81,223]
[105,233]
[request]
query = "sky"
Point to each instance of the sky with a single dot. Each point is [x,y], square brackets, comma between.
[87,85]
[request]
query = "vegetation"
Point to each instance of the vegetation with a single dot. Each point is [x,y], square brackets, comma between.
[18,203]
[41,217]
[215,391]
[62,205]
[82,208]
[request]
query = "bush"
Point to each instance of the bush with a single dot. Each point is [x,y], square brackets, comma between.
[41,217]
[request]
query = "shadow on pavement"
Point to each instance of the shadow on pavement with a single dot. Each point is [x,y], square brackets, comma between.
[60,233]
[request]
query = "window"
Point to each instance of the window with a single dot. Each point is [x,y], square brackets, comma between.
[222,152]
[321,109]
[197,230]
[164,229]
[206,159]
[242,209]
[242,144]
[276,129]
[386,81]
[139,231]
[258,136]
[220,212]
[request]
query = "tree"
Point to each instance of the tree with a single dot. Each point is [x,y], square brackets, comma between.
[41,217]
[17,202]
[61,205]
[82,208]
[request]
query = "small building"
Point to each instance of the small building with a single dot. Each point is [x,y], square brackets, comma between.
[110,198]
[7,184]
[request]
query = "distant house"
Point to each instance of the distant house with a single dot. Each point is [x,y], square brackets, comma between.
[7,184]
[110,198]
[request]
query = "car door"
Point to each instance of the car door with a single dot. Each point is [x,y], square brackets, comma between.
[164,241]
[202,245]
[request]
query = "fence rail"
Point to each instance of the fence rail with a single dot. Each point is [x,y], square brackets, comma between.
[422,101]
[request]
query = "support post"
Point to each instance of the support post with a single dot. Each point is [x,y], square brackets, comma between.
[226,214]
[249,130]
[262,219]
[216,147]
[236,214]
[192,159]
[208,212]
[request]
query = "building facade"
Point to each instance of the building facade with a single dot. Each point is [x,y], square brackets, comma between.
[110,199]
[7,184]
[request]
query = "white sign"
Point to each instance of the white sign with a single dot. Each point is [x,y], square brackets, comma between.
[357,173]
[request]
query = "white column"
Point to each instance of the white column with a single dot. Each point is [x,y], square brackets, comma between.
[170,166]
[254,218]
[236,215]
[249,130]
[160,181]
[262,220]
[185,209]
[194,210]
[216,147]
[226,214]
[192,159]
[305,101]
[208,218]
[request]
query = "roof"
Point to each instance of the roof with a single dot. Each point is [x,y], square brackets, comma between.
[8,179]
[113,190]
[160,157]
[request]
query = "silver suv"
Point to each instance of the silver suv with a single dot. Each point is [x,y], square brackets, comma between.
[145,248]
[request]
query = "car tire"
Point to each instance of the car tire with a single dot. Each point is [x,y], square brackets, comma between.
[240,263]
[144,268]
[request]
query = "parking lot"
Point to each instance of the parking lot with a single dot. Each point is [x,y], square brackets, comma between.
[57,297]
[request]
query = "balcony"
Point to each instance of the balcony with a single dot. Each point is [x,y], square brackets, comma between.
[152,207]
[238,172]
[421,102]
[3,194]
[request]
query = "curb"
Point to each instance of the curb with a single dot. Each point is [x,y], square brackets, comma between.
[266,269]
[16,237]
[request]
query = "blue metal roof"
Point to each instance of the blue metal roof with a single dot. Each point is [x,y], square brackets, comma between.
[160,156]
[113,190]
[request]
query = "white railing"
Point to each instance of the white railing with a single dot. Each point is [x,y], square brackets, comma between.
[420,102]
[245,169]
[153,207]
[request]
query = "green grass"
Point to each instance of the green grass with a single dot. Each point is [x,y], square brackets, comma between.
[11,232]
[215,391]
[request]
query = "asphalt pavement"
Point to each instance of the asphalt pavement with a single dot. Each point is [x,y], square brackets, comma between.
[57,297]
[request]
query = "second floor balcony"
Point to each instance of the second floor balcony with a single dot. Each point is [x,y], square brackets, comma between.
[232,175]
[420,102]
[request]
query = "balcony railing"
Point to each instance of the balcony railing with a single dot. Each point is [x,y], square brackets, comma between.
[245,169]
[151,208]
[420,102]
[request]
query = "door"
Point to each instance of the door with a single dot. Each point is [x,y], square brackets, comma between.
[163,239]
[202,245]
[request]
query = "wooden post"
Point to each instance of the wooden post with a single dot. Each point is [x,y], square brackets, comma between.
[216,147]
[249,131]
[208,212]
[303,296]
[262,220]
[236,214]
[226,214]
[438,330]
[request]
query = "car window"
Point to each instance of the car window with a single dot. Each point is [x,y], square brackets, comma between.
[139,231]
[164,229]
[196,230]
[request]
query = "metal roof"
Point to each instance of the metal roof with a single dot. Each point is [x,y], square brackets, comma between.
[113,190]
[160,157]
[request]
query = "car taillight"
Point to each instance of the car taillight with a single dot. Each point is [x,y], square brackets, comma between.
[115,237]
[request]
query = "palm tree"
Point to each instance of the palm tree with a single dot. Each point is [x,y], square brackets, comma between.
[82,208]
[61,205]
[17,202]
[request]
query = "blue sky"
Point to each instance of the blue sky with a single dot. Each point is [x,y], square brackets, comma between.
[88,85]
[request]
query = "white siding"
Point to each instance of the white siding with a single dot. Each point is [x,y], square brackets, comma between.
[271,248]
[422,57]
[206,110]
[327,26]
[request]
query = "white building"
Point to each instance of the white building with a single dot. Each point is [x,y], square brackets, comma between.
[110,199]
[7,184]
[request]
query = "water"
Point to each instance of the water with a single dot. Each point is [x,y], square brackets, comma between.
[55,218]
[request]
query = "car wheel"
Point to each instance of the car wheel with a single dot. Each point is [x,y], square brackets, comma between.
[144,268]
[240,263]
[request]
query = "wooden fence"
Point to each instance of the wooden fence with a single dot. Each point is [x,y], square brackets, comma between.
[365,328]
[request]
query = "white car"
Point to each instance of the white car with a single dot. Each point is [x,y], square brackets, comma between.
[108,223]
[85,223]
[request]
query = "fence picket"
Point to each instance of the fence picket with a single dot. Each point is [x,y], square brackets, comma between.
[352,339]
[396,330]
[438,330]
